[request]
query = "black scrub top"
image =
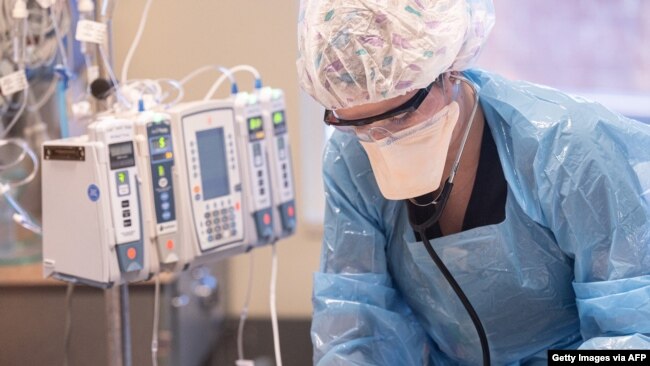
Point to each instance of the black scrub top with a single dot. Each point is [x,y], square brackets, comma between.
[487,203]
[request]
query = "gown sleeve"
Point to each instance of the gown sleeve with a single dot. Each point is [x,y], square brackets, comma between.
[359,317]
[597,175]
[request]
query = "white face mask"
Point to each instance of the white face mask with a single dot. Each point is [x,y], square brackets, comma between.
[411,162]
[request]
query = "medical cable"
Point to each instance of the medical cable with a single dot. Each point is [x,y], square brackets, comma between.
[68,323]
[250,69]
[111,75]
[220,80]
[19,15]
[86,9]
[485,350]
[20,217]
[37,105]
[26,151]
[274,312]
[204,69]
[233,86]
[59,40]
[439,205]
[14,120]
[136,40]
[156,321]
[176,85]
[454,169]
[106,15]
[456,164]
[244,310]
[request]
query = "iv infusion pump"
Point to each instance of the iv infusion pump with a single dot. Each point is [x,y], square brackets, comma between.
[155,158]
[197,183]
[251,136]
[209,180]
[273,111]
[92,226]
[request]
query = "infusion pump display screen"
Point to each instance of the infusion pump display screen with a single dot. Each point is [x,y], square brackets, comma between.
[121,155]
[213,161]
[255,128]
[279,123]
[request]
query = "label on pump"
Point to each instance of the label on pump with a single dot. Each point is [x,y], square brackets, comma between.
[89,31]
[14,82]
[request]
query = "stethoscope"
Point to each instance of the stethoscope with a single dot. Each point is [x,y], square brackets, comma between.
[439,204]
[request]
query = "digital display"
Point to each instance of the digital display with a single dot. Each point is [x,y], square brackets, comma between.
[121,177]
[255,128]
[121,155]
[278,117]
[211,146]
[124,148]
[279,124]
[160,147]
[254,123]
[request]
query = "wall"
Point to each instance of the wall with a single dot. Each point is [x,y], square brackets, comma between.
[181,36]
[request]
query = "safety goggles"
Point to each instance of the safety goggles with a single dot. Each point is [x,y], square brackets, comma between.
[423,104]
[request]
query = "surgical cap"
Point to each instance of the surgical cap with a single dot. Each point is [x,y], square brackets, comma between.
[354,52]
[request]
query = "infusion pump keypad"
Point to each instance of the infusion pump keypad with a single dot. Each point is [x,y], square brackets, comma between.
[220,223]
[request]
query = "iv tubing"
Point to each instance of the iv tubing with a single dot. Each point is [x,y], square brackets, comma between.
[217,84]
[156,316]
[274,312]
[136,41]
[244,310]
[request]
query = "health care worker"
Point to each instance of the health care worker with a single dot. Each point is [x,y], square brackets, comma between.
[546,226]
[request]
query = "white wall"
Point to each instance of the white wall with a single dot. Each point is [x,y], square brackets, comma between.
[182,35]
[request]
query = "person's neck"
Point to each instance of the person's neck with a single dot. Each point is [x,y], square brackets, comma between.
[469,155]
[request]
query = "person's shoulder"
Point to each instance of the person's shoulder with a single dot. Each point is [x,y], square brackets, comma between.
[347,170]
[343,151]
[543,109]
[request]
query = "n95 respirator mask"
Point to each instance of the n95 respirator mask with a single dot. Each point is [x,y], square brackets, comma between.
[410,163]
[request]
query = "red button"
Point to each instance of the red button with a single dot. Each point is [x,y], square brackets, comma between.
[131,253]
[290,211]
[267,219]
[237,206]
[170,244]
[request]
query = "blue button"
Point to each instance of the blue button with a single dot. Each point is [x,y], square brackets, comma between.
[210,238]
[197,197]
[166,215]
[164,196]
[165,206]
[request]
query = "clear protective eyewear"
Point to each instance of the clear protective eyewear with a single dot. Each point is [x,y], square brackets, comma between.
[425,103]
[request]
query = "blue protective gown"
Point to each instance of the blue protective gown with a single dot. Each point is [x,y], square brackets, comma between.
[568,267]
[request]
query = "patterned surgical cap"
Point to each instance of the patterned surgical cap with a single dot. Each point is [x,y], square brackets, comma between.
[354,52]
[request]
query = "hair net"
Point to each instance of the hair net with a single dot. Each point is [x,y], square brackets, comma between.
[355,52]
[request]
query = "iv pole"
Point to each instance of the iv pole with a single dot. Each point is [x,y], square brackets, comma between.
[115,298]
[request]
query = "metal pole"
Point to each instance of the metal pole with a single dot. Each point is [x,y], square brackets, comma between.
[115,321]
[113,326]
[126,326]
